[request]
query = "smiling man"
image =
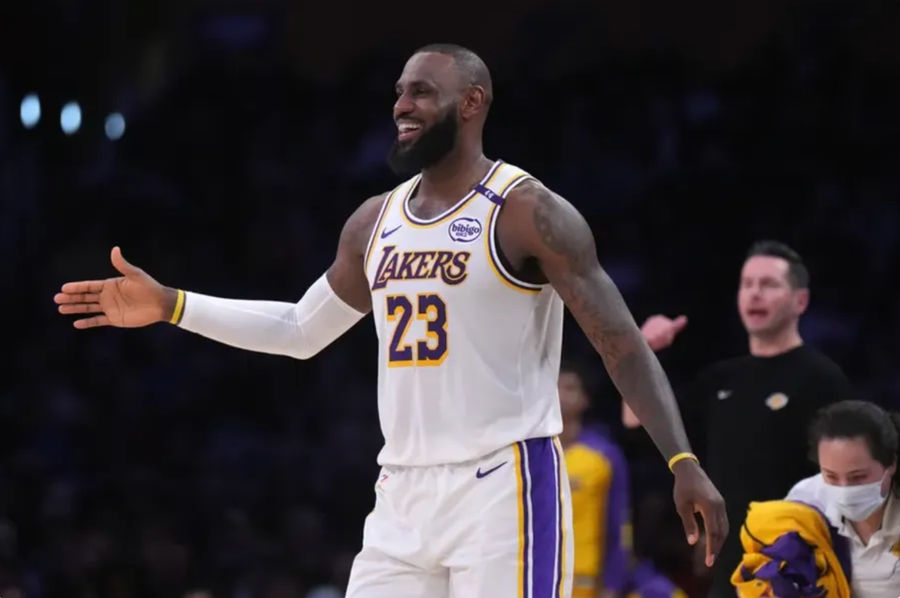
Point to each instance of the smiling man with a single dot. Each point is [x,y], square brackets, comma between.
[758,406]
[465,267]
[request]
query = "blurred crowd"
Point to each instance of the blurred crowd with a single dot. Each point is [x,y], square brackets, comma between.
[156,463]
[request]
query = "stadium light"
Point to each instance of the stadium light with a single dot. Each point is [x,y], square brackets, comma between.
[30,110]
[70,118]
[115,126]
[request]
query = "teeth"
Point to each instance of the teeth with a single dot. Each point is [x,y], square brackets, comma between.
[406,127]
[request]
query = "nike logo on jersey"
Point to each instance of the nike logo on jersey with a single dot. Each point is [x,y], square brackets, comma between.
[387,233]
[480,474]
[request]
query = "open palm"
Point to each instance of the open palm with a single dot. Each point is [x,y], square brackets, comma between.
[129,301]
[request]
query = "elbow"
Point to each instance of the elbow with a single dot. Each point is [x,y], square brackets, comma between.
[303,349]
[304,353]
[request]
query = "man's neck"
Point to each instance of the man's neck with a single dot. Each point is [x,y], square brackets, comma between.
[775,344]
[456,174]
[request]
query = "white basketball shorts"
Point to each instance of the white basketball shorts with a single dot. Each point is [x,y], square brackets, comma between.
[496,527]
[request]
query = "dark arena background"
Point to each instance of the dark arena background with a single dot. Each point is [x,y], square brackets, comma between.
[223,144]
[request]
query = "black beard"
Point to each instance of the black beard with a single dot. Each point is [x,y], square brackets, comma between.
[407,159]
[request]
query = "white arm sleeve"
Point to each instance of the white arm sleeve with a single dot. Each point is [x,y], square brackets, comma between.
[298,330]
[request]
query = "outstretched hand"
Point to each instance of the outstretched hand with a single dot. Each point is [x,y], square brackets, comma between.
[660,331]
[695,493]
[129,301]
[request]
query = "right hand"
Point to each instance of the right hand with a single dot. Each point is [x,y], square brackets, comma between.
[129,301]
[660,331]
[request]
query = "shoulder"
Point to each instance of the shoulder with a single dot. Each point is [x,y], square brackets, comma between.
[545,223]
[811,491]
[359,226]
[597,441]
[724,367]
[531,194]
[821,363]
[807,488]
[367,212]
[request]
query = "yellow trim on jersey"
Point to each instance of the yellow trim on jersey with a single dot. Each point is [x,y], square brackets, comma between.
[493,251]
[493,261]
[419,223]
[373,241]
[562,525]
[521,509]
[513,182]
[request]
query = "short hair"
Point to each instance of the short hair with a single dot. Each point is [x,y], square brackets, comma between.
[568,366]
[469,65]
[859,419]
[798,274]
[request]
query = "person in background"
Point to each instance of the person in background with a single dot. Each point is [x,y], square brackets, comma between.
[598,473]
[857,446]
[777,389]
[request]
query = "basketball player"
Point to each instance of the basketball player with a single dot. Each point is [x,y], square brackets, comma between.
[605,565]
[465,267]
[598,476]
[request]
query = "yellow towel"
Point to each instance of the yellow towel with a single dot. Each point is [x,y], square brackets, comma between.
[770,520]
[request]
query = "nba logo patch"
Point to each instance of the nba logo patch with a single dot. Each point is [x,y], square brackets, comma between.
[464,230]
[777,401]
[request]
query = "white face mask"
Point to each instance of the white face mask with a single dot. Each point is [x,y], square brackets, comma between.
[855,503]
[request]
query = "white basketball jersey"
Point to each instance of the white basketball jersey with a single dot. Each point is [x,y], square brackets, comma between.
[468,355]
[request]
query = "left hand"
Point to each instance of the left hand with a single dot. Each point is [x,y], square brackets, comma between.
[660,331]
[695,493]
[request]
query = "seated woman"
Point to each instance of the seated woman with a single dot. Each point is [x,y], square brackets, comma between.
[850,509]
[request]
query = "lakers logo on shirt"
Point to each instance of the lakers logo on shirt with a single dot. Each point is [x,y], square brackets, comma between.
[420,265]
[895,549]
[777,401]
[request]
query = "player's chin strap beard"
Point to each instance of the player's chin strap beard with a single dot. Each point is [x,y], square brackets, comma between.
[432,145]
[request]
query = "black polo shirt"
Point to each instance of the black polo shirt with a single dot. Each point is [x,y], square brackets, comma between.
[755,412]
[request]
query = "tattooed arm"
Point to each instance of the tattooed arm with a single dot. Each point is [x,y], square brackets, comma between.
[537,224]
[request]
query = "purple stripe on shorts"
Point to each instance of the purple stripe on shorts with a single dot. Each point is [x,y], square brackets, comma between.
[545,541]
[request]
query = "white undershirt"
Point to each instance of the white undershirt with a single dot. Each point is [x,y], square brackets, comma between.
[876,565]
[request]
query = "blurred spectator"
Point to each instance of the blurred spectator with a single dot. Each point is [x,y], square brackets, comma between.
[605,565]
[774,391]
[855,550]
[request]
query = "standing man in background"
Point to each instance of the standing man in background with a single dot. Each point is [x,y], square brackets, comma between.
[605,564]
[750,413]
[598,475]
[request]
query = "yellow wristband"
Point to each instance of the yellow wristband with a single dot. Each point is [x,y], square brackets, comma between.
[682,457]
[179,307]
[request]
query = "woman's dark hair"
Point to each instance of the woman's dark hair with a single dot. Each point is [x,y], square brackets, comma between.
[860,419]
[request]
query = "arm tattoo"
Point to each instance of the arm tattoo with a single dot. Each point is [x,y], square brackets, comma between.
[564,233]
[569,260]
